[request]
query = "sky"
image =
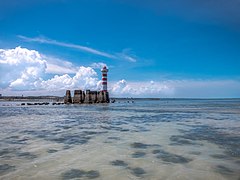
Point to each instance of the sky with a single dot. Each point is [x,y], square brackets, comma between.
[153,48]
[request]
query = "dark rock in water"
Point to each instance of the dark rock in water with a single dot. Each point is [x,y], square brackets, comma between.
[138,154]
[223,170]
[22,104]
[139,172]
[77,173]
[5,168]
[52,150]
[119,163]
[113,101]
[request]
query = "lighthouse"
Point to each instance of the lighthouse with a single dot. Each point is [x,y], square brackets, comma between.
[89,96]
[104,71]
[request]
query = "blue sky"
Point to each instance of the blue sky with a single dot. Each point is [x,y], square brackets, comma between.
[160,42]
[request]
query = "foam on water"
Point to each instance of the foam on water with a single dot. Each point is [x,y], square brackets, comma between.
[166,139]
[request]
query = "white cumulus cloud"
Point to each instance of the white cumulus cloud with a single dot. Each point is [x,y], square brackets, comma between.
[141,89]
[85,78]
[21,67]
[24,69]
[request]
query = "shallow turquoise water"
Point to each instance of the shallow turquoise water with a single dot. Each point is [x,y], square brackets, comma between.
[147,139]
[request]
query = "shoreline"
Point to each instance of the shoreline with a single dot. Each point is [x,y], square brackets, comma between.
[60,99]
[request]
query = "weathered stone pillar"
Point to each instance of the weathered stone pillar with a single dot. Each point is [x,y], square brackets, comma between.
[83,97]
[105,97]
[68,97]
[88,97]
[100,96]
[77,96]
[94,96]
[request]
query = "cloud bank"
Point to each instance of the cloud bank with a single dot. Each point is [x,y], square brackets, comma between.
[24,71]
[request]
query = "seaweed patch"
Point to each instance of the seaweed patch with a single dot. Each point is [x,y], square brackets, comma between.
[119,163]
[170,157]
[138,154]
[78,173]
[139,145]
[223,170]
[6,168]
[139,172]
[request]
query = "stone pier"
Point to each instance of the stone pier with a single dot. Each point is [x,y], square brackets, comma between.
[89,97]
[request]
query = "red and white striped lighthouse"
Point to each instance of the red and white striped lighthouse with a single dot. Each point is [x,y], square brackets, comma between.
[104,71]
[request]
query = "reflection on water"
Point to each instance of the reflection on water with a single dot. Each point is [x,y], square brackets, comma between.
[164,139]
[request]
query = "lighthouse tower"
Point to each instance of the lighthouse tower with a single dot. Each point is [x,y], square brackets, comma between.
[104,71]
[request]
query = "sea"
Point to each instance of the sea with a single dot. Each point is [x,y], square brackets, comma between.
[130,139]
